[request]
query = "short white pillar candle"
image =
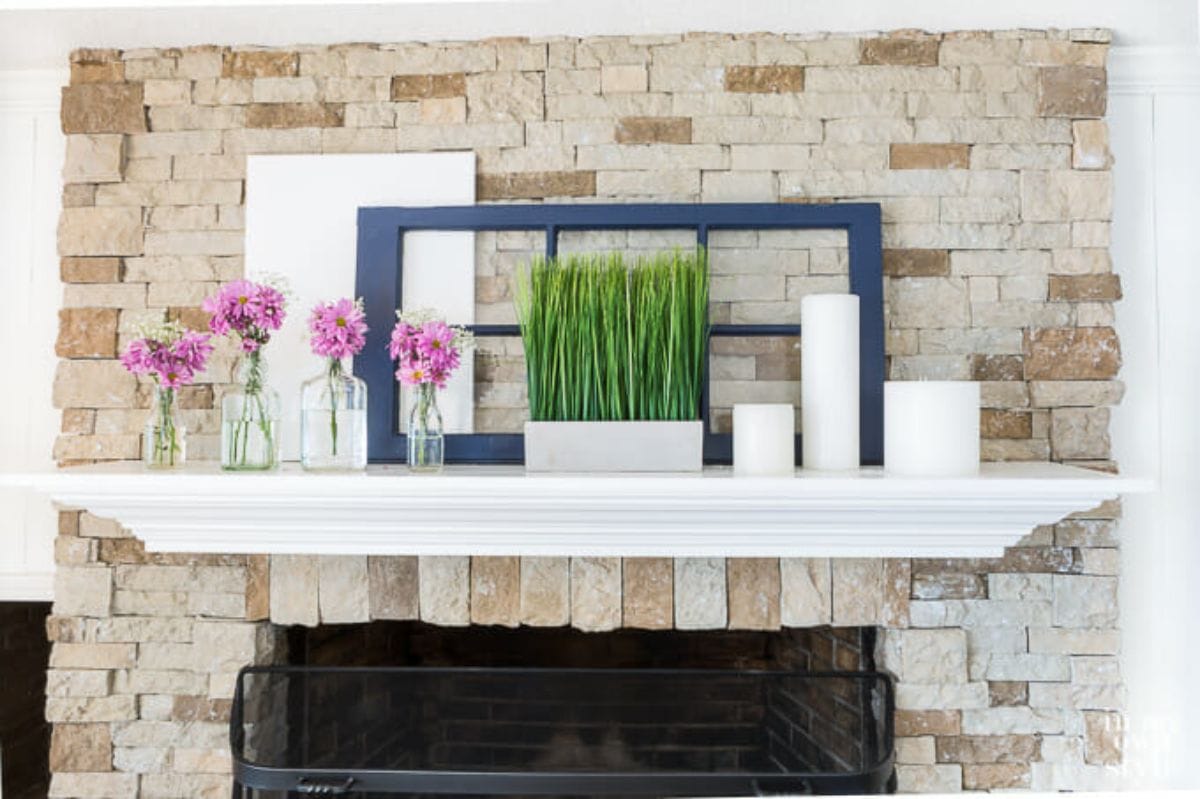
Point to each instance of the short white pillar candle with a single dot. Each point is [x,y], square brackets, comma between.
[931,428]
[829,381]
[764,439]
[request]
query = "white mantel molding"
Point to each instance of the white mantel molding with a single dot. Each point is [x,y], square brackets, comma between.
[482,510]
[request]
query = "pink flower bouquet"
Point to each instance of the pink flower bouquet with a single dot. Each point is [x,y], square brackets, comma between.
[173,355]
[427,351]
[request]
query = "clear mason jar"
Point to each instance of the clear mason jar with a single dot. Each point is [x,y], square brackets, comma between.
[164,441]
[250,421]
[333,420]
[426,444]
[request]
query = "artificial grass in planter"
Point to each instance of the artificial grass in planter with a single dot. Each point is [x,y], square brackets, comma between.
[611,340]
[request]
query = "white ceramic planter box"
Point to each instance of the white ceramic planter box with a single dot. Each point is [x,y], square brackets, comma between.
[614,446]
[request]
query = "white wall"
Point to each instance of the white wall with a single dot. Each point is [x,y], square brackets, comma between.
[31,155]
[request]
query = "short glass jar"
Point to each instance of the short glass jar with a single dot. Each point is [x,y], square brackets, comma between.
[250,421]
[333,420]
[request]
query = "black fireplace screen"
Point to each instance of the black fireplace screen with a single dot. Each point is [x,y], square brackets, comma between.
[559,732]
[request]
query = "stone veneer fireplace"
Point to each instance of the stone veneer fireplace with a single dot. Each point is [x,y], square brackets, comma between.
[988,153]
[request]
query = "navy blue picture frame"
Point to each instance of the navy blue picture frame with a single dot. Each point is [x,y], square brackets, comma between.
[378,281]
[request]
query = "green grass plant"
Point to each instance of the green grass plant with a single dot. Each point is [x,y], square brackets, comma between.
[607,339]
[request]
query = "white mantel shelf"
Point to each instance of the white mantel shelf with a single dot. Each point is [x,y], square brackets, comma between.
[501,510]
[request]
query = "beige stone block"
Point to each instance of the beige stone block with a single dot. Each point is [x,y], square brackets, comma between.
[1090,149]
[100,231]
[754,593]
[92,785]
[942,696]
[596,594]
[284,90]
[394,587]
[224,645]
[805,592]
[294,581]
[445,590]
[916,751]
[857,591]
[700,594]
[739,187]
[1085,601]
[1103,738]
[623,78]
[932,656]
[93,656]
[496,591]
[444,110]
[943,778]
[1057,196]
[545,591]
[94,158]
[1013,721]
[343,589]
[76,683]
[93,384]
[929,302]
[1080,433]
[504,96]
[91,710]
[82,591]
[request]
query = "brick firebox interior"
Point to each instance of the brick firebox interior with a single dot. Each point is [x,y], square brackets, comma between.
[988,153]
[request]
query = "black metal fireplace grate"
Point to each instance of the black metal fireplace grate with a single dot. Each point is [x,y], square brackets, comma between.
[559,732]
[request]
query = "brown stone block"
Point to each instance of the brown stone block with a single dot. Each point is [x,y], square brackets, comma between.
[90,65]
[65,629]
[989,749]
[930,156]
[78,195]
[1008,694]
[536,185]
[428,87]
[777,367]
[496,591]
[995,776]
[103,108]
[191,318]
[258,587]
[194,397]
[90,270]
[200,708]
[1072,353]
[80,747]
[1005,424]
[294,115]
[1085,288]
[788,346]
[928,722]
[753,589]
[1072,91]
[897,589]
[1103,739]
[764,80]
[78,421]
[997,367]
[650,130]
[648,595]
[101,231]
[87,333]
[122,550]
[916,263]
[899,52]
[259,64]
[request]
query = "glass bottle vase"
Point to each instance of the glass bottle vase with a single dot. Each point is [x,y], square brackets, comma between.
[426,444]
[250,421]
[333,420]
[164,442]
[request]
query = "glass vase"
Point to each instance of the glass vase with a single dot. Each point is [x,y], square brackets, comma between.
[250,421]
[333,421]
[164,443]
[426,445]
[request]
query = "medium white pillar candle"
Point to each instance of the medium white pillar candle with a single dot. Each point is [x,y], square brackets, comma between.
[829,381]
[764,439]
[931,428]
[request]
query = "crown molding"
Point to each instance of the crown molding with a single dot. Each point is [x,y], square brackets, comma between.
[1154,70]
[33,90]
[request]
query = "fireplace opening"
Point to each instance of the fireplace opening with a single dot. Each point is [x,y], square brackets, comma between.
[404,708]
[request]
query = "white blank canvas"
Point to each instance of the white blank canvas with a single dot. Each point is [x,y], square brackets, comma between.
[301,224]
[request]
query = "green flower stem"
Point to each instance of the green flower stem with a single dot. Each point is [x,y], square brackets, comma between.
[335,374]
[164,444]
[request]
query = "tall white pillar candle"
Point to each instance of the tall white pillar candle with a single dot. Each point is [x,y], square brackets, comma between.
[764,439]
[931,428]
[829,381]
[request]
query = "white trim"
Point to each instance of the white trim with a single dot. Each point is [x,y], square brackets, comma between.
[35,587]
[33,90]
[1137,70]
[501,510]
